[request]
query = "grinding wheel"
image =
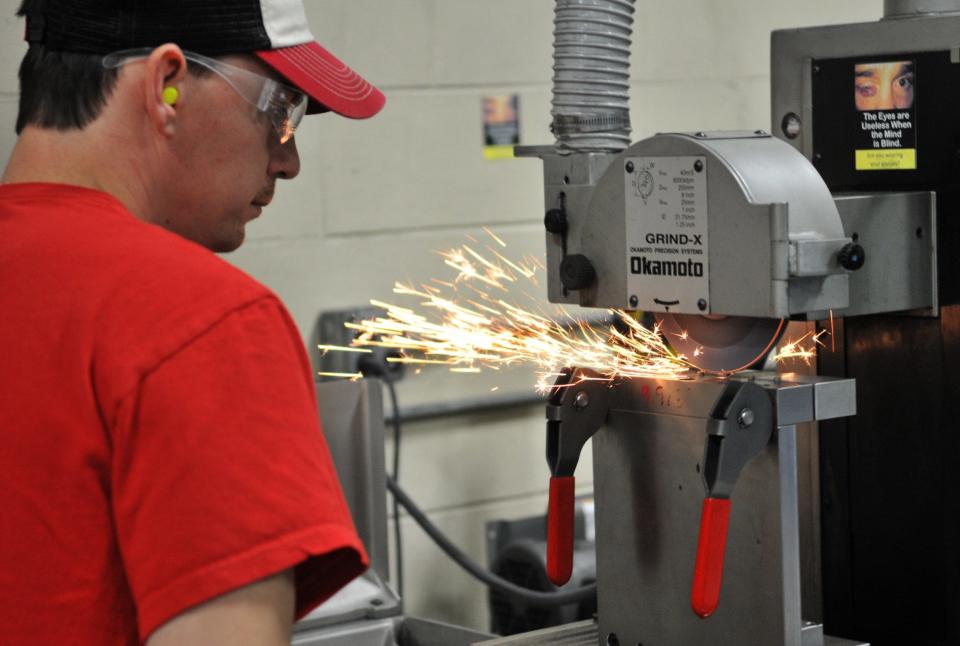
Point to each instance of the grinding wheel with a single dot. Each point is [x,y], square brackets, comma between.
[721,343]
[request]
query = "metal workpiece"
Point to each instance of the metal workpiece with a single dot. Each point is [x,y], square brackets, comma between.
[793,402]
[831,398]
[800,398]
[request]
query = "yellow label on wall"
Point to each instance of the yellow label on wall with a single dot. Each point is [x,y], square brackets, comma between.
[891,159]
[498,152]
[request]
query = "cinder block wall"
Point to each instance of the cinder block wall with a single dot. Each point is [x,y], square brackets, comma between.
[377,198]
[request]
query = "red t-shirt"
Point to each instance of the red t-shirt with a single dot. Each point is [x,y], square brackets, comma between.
[159,438]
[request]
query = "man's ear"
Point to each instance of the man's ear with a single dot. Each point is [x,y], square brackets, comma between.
[165,68]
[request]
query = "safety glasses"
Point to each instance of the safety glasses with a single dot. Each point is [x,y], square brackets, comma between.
[283,105]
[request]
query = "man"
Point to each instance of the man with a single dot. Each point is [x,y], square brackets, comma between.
[163,475]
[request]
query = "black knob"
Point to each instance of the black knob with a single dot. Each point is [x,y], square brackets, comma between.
[576,272]
[852,256]
[555,221]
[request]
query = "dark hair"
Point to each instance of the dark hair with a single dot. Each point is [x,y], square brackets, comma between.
[62,90]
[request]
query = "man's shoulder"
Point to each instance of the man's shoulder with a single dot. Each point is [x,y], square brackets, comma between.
[129,295]
[161,282]
[157,259]
[92,236]
[159,294]
[138,281]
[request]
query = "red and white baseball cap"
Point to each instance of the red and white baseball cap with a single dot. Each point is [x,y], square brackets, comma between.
[275,30]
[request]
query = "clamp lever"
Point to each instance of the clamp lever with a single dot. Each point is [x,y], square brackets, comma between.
[738,430]
[576,409]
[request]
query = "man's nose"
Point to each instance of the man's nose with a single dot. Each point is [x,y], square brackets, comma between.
[284,160]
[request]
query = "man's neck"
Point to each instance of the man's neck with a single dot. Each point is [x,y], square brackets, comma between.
[77,158]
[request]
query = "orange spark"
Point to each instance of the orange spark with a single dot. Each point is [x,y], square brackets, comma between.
[352,376]
[487,329]
[494,236]
[339,348]
[798,350]
[833,339]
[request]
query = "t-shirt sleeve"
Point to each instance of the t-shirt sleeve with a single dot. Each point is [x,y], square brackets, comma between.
[221,475]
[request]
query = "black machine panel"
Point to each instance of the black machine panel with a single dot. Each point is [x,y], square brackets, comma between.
[890,516]
[889,480]
[887,122]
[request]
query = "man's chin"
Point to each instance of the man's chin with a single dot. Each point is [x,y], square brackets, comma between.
[227,247]
[226,244]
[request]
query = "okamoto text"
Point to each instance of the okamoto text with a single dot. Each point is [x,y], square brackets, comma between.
[646,267]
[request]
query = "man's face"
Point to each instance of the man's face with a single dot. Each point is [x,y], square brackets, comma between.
[883,86]
[226,160]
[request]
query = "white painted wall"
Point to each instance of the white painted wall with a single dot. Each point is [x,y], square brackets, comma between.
[11,50]
[376,198]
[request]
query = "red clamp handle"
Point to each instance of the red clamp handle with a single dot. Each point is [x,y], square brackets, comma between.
[560,530]
[708,571]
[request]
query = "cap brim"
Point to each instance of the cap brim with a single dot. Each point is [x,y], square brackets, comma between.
[329,83]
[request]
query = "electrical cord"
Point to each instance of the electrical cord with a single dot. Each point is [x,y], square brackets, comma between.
[501,585]
[400,498]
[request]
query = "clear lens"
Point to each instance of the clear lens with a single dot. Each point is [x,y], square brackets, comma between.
[294,114]
[284,105]
[286,108]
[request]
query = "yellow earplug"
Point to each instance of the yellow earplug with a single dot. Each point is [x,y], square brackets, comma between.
[170,95]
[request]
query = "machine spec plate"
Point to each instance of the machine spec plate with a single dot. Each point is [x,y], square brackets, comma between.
[667,246]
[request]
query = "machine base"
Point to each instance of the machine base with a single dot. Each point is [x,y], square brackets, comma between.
[584,633]
[391,631]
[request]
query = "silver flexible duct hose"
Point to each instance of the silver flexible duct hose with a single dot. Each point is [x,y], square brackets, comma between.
[591,82]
